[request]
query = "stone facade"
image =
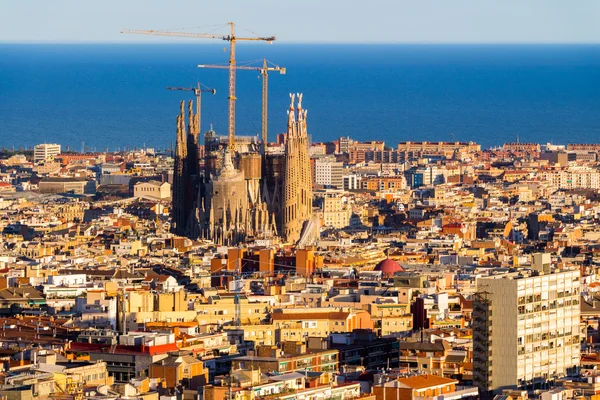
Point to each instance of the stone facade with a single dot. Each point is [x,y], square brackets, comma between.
[297,191]
[238,194]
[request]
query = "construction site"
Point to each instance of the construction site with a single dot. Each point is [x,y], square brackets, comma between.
[228,188]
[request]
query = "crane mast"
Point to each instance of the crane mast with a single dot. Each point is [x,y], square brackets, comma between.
[265,103]
[232,98]
[232,39]
[264,73]
[198,90]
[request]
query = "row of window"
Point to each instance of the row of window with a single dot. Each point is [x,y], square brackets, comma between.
[547,295]
[551,305]
[225,312]
[94,377]
[549,345]
[253,333]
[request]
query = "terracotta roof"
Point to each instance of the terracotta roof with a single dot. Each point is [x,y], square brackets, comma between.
[425,381]
[140,350]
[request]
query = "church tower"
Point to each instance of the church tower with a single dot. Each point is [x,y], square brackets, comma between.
[180,176]
[185,174]
[297,190]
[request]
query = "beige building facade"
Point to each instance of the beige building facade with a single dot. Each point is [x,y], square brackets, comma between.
[336,214]
[152,190]
[525,329]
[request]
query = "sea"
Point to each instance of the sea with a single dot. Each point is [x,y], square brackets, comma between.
[113,96]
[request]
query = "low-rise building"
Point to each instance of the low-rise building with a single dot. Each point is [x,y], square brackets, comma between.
[152,190]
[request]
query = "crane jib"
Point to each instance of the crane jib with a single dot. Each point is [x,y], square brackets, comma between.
[232,67]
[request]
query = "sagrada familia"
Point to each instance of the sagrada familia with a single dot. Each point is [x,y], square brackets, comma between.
[239,190]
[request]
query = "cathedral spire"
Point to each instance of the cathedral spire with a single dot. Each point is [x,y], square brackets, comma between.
[297,191]
[180,217]
[299,108]
[190,118]
[291,113]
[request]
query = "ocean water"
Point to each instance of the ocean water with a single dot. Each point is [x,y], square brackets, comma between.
[113,95]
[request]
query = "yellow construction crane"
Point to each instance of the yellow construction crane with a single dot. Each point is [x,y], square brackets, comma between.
[232,39]
[264,72]
[198,90]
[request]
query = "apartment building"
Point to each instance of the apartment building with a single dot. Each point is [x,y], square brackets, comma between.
[329,172]
[336,214]
[384,184]
[67,185]
[351,182]
[45,151]
[292,357]
[297,324]
[152,190]
[425,176]
[421,387]
[525,329]
[573,178]
[417,149]
[522,147]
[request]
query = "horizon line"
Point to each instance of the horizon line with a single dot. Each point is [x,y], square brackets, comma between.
[294,42]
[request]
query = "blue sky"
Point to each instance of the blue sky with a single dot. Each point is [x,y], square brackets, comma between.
[436,21]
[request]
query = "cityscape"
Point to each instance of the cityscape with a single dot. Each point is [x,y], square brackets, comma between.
[278,265]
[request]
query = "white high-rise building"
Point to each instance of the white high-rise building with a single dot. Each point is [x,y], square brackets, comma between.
[525,329]
[329,172]
[45,151]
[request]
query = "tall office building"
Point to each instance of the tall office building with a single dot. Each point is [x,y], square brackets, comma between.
[525,330]
[45,151]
